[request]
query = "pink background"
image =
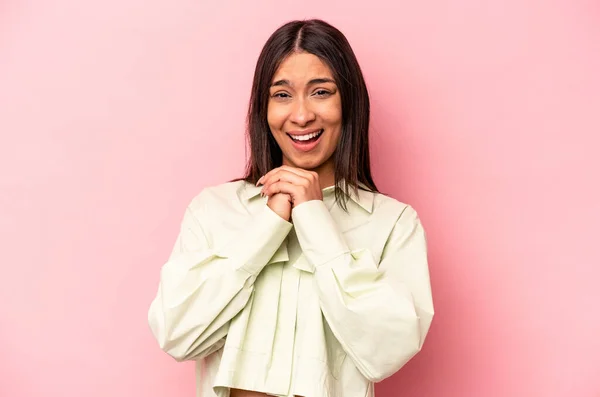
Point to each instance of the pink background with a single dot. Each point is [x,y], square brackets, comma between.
[486,119]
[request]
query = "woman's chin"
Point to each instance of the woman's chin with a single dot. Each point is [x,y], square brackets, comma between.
[305,163]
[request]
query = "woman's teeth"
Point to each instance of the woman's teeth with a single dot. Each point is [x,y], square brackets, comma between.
[307,136]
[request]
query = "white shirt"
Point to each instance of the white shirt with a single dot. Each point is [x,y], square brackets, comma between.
[320,307]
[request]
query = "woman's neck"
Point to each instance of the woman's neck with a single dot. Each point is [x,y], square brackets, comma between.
[326,174]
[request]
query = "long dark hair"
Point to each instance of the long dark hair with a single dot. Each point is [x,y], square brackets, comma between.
[314,36]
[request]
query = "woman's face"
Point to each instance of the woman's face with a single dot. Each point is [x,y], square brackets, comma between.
[305,112]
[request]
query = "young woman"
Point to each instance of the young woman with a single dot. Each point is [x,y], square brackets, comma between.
[299,279]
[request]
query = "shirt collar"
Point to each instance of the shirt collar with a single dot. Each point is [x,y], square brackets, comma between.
[364,198]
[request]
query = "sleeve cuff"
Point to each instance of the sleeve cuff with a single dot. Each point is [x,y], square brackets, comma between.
[317,232]
[258,241]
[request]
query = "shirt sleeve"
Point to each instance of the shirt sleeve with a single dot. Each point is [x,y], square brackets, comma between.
[379,312]
[202,288]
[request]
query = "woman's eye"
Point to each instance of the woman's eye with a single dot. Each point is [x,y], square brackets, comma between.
[322,93]
[280,95]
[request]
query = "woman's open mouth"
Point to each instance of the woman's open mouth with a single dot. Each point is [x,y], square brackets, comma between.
[306,142]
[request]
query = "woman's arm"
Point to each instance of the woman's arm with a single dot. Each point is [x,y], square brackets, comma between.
[380,313]
[202,288]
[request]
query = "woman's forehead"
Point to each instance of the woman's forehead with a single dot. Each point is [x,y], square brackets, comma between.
[301,68]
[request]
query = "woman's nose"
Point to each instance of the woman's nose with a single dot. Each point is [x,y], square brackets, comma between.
[302,114]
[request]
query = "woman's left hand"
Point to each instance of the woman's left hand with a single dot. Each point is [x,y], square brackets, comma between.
[300,184]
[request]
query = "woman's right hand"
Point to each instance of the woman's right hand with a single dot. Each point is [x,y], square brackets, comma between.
[281,204]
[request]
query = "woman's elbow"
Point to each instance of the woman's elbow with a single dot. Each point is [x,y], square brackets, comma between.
[164,336]
[405,343]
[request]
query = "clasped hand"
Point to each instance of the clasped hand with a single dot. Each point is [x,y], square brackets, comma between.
[300,185]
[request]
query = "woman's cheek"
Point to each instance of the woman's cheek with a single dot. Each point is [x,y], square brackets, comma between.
[276,118]
[331,113]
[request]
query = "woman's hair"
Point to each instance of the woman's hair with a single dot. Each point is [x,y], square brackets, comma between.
[351,158]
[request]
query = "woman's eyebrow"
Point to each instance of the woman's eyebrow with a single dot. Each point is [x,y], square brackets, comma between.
[280,83]
[319,80]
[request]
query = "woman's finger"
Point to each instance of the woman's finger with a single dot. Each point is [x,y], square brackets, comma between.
[311,176]
[298,171]
[287,176]
[281,187]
